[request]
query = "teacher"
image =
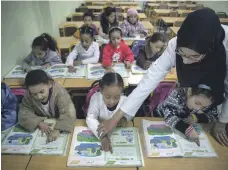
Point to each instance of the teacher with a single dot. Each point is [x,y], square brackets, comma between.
[200,55]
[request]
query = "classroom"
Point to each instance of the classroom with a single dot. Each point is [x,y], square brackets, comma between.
[121,84]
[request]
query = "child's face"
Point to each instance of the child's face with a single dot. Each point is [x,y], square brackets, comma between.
[38,52]
[115,38]
[111,95]
[111,17]
[86,40]
[156,46]
[133,18]
[88,21]
[40,92]
[198,102]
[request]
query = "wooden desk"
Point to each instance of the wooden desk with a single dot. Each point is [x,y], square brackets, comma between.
[174,30]
[141,15]
[83,83]
[19,82]
[153,5]
[134,79]
[219,163]
[138,8]
[97,7]
[60,162]
[66,42]
[126,3]
[181,11]
[76,23]
[167,11]
[15,162]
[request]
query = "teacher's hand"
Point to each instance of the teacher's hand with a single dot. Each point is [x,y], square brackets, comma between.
[220,133]
[106,127]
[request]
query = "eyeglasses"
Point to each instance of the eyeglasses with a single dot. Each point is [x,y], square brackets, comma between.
[192,57]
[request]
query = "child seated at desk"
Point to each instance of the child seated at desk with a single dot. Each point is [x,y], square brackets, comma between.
[131,26]
[185,106]
[116,50]
[86,52]
[88,20]
[44,53]
[104,104]
[107,21]
[44,99]
[9,107]
[154,46]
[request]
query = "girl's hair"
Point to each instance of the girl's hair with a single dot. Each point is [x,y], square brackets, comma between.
[157,37]
[88,14]
[113,29]
[202,91]
[108,11]
[45,41]
[36,77]
[111,78]
[87,30]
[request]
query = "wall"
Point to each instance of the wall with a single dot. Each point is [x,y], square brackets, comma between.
[23,21]
[218,6]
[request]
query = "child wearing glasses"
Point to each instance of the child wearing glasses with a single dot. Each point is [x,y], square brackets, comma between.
[185,106]
[86,52]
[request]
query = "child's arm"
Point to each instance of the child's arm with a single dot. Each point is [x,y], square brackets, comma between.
[101,33]
[27,61]
[96,55]
[107,57]
[124,30]
[142,29]
[128,55]
[141,59]
[55,58]
[72,56]
[9,108]
[27,117]
[209,116]
[93,115]
[67,112]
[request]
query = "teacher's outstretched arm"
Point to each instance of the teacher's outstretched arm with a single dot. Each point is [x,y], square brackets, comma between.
[149,82]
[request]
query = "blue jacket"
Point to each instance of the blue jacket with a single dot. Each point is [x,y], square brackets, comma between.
[9,107]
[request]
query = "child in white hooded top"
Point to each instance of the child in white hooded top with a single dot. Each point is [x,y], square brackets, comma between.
[104,104]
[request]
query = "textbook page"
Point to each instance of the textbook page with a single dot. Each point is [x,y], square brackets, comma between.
[160,141]
[191,149]
[86,150]
[95,71]
[120,68]
[16,72]
[137,70]
[58,70]
[19,141]
[4,133]
[79,73]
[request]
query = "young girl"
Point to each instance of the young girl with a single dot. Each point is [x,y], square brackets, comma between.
[116,50]
[108,20]
[87,52]
[44,99]
[131,26]
[185,106]
[44,53]
[154,46]
[104,104]
[88,20]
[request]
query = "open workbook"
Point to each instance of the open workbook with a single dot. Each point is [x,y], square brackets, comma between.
[58,70]
[19,141]
[162,141]
[86,149]
[97,71]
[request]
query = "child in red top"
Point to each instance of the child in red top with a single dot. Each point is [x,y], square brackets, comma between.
[116,50]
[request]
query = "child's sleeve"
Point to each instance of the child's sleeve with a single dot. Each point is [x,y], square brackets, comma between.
[67,112]
[141,58]
[96,55]
[142,29]
[128,55]
[72,56]
[107,56]
[124,29]
[27,117]
[210,115]
[55,59]
[9,108]
[101,33]
[93,115]
[27,61]
[172,112]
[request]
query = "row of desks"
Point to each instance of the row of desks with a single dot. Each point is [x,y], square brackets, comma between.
[171,5]
[20,162]
[101,7]
[161,12]
[83,83]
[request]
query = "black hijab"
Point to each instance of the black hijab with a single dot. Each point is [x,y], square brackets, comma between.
[202,32]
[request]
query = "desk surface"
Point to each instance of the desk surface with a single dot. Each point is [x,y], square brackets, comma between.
[175,30]
[171,5]
[60,162]
[219,163]
[15,162]
[167,11]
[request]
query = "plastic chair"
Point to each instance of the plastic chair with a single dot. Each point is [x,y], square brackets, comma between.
[69,30]
[76,17]
[182,6]
[222,14]
[163,6]
[173,14]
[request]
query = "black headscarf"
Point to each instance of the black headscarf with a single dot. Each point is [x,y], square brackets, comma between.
[202,32]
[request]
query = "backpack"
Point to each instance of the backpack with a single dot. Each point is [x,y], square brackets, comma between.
[158,96]
[136,46]
[19,93]
[92,90]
